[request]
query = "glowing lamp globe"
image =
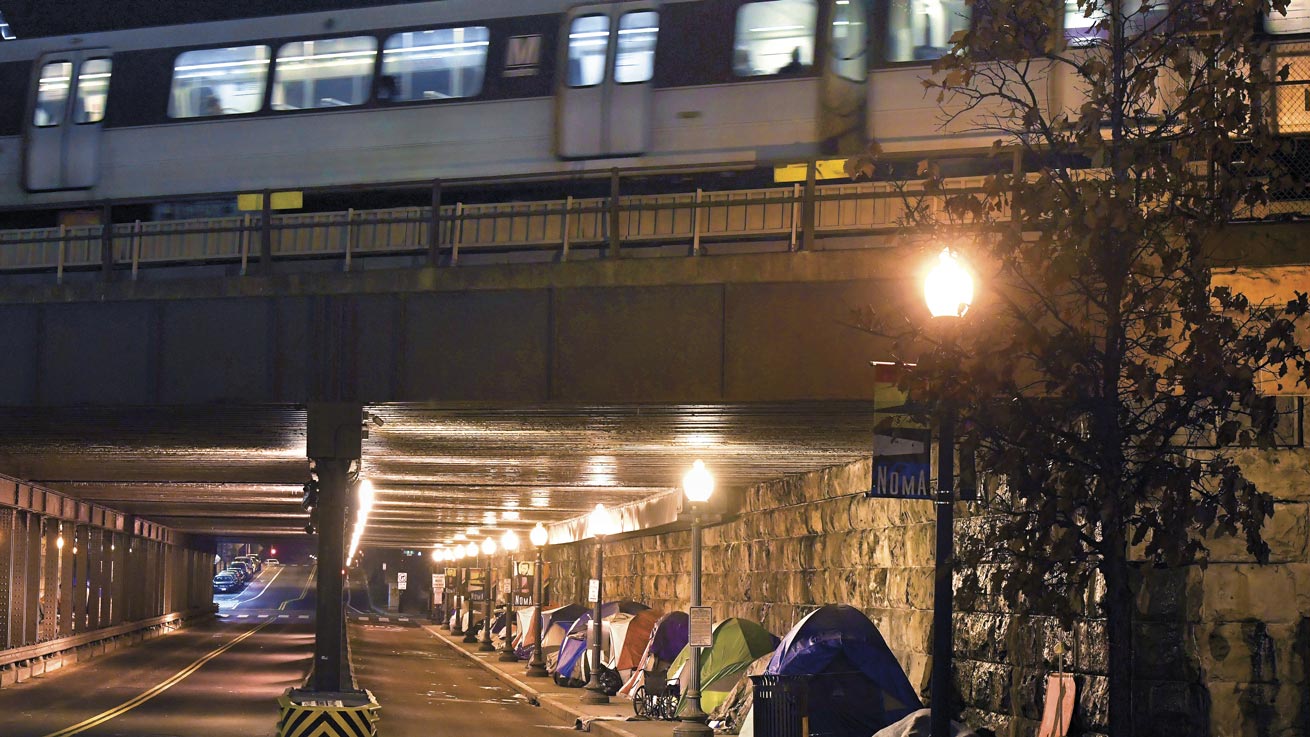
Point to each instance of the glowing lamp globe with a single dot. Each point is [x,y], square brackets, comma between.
[436,555]
[471,549]
[948,289]
[489,547]
[698,484]
[539,536]
[600,523]
[366,494]
[509,542]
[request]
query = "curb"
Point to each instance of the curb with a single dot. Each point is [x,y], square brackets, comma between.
[549,702]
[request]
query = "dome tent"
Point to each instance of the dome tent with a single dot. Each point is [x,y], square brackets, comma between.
[856,685]
[666,640]
[737,642]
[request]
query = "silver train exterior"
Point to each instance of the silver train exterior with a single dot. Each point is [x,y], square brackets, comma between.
[711,89]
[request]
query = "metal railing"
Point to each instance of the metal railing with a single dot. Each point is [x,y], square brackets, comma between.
[773,214]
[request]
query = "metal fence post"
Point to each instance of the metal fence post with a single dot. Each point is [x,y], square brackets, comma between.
[107,241]
[63,245]
[614,214]
[456,231]
[136,248]
[266,233]
[807,207]
[350,235]
[568,208]
[695,223]
[434,226]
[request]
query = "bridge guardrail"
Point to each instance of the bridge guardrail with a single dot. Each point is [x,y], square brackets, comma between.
[773,214]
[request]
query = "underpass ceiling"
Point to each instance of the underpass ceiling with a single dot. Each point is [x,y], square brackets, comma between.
[238,470]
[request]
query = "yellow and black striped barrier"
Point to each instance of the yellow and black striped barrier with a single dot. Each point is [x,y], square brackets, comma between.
[327,718]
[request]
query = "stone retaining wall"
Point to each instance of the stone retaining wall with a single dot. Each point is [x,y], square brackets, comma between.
[1221,651]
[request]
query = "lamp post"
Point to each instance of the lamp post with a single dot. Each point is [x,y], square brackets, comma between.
[601,525]
[488,549]
[948,291]
[457,554]
[698,484]
[471,552]
[510,542]
[537,666]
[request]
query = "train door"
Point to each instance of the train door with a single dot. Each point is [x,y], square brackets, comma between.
[603,92]
[843,99]
[67,111]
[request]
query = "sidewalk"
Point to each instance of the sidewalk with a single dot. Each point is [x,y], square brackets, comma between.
[564,702]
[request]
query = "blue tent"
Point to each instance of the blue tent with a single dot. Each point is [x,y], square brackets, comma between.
[856,685]
[569,667]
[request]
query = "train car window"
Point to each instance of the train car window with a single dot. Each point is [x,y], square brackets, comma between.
[921,30]
[774,37]
[218,82]
[329,72]
[634,56]
[589,42]
[92,90]
[1296,20]
[1080,27]
[52,94]
[434,65]
[849,40]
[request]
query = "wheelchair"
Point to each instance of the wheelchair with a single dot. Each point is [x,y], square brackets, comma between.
[657,697]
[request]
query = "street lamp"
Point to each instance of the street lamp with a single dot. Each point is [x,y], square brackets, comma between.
[510,542]
[537,666]
[456,555]
[698,484]
[948,291]
[601,524]
[488,549]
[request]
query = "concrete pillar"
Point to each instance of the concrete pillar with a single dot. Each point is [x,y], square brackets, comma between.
[81,566]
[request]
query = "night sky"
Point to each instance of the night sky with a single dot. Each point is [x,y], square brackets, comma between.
[29,18]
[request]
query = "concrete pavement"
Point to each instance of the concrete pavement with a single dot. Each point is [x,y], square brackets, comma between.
[609,719]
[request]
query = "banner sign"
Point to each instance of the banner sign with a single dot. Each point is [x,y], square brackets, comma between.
[477,584]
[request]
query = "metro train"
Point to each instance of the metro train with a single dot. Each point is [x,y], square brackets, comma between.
[464,89]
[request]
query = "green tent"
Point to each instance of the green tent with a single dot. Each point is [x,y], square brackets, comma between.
[737,642]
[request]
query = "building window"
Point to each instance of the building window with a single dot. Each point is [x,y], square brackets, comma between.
[218,82]
[589,41]
[330,72]
[92,90]
[849,40]
[434,65]
[634,58]
[52,93]
[921,30]
[775,37]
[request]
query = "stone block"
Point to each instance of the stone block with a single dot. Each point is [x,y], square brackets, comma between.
[1287,532]
[1168,593]
[1284,473]
[1161,652]
[1245,592]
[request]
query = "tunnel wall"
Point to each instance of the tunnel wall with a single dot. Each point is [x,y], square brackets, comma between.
[110,570]
[1222,650]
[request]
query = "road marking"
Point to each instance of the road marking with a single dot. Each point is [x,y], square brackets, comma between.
[238,602]
[167,683]
[302,616]
[303,592]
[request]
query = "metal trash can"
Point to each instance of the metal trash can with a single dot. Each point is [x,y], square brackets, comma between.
[782,706]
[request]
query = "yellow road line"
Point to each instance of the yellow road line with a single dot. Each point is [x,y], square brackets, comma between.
[303,592]
[171,681]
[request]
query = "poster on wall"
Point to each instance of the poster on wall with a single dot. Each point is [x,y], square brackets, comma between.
[524,583]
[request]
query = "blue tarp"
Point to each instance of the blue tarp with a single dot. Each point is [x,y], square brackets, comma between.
[856,685]
[571,652]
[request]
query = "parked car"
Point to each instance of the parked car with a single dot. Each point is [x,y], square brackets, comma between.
[242,569]
[273,562]
[252,561]
[227,582]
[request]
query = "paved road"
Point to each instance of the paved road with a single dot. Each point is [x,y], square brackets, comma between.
[214,679]
[421,683]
